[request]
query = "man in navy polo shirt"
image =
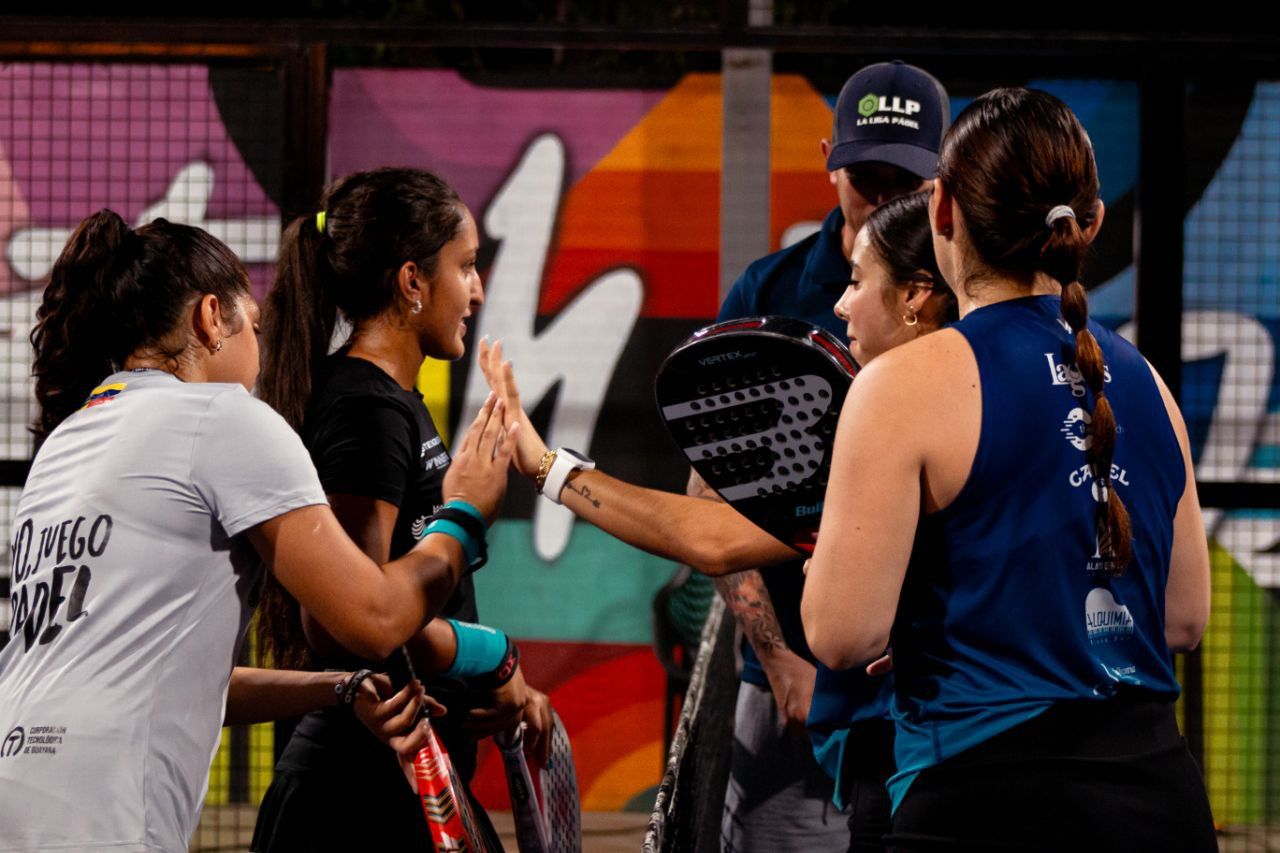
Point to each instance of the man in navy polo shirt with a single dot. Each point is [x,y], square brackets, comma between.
[889,120]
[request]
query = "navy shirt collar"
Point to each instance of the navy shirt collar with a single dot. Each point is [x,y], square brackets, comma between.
[826,266]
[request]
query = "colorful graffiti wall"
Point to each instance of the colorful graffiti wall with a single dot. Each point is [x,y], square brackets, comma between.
[599,212]
[600,227]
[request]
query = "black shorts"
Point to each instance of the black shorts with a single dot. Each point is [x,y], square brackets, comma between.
[1096,776]
[868,764]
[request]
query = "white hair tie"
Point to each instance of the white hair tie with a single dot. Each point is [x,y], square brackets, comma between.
[1058,213]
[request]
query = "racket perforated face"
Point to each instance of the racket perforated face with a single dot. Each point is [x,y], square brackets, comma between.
[560,801]
[753,405]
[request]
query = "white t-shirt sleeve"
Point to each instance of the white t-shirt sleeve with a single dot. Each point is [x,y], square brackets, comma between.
[249,465]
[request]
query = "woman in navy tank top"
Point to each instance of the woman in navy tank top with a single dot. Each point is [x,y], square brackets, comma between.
[1012,500]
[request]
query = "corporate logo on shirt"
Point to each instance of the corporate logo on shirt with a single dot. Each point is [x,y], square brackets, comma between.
[1084,474]
[419,528]
[1116,676]
[899,110]
[1106,619]
[51,575]
[440,460]
[36,740]
[13,742]
[1069,374]
[1075,428]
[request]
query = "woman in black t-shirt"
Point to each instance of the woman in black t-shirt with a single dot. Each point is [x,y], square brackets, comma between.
[393,250]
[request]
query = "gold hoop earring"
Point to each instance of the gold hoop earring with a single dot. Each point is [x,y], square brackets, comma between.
[911,319]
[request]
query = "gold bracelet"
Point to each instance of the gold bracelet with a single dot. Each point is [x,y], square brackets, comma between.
[544,468]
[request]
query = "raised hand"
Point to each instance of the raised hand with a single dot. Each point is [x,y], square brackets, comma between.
[478,472]
[530,447]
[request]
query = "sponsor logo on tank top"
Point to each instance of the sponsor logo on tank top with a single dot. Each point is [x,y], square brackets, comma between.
[32,740]
[1069,374]
[1084,474]
[1106,619]
[51,572]
[1117,675]
[1075,428]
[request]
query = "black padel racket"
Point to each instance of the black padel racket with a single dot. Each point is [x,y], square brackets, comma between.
[753,405]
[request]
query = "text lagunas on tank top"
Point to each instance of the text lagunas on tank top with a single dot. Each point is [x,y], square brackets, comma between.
[46,599]
[1069,374]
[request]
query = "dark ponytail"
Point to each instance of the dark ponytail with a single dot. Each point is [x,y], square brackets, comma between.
[1011,158]
[297,321]
[115,292]
[346,260]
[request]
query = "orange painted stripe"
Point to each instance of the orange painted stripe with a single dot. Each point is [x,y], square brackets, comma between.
[676,284]
[799,119]
[798,197]
[681,133]
[656,209]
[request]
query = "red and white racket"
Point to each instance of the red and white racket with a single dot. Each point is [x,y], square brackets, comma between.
[444,799]
[753,405]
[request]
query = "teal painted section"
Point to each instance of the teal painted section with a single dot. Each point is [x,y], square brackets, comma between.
[599,591]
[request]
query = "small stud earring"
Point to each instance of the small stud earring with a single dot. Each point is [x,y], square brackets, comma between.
[217,348]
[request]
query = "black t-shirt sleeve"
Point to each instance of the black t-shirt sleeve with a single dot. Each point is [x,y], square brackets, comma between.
[365,446]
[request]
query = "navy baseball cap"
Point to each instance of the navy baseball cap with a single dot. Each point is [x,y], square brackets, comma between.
[890,113]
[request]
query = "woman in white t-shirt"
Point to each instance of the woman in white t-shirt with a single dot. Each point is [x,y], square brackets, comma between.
[159,489]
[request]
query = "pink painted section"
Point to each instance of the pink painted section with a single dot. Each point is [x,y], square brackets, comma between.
[472,136]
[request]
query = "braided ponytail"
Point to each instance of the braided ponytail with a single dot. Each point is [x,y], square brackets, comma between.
[1114,534]
[1013,156]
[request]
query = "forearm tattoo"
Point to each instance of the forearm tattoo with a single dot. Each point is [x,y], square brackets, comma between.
[747,597]
[585,491]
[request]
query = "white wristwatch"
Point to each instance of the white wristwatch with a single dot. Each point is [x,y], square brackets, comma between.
[566,462]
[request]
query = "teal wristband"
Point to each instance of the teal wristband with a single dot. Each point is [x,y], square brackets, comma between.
[470,548]
[468,509]
[481,649]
